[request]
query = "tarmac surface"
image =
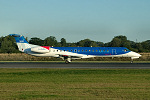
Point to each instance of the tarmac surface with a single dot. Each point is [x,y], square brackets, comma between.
[75,65]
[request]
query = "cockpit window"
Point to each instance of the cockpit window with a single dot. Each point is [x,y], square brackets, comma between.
[125,50]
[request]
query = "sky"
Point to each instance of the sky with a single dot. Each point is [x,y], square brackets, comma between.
[75,20]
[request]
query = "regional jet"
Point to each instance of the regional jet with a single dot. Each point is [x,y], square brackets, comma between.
[69,53]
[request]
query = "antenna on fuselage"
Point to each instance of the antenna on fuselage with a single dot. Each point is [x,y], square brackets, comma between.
[136,40]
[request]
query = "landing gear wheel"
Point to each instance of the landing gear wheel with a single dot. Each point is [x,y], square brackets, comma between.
[131,60]
[67,62]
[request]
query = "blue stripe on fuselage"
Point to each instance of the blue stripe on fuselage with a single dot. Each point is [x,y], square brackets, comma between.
[95,50]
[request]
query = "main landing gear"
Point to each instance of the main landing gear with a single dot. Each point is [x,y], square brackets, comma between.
[67,60]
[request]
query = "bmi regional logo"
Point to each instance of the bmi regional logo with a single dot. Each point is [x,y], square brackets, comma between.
[21,41]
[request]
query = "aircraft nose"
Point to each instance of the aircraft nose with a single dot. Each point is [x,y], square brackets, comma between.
[134,54]
[139,55]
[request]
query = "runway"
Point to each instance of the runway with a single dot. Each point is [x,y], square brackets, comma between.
[74,65]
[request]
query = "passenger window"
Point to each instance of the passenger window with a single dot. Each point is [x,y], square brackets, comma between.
[107,50]
[103,50]
[92,50]
[89,50]
[100,50]
[96,50]
[82,50]
[86,50]
[125,50]
[78,50]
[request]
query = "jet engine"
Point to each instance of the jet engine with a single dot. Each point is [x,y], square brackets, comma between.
[39,50]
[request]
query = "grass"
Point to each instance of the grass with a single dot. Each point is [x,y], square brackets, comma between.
[45,84]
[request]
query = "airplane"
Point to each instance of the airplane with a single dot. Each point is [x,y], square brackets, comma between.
[69,53]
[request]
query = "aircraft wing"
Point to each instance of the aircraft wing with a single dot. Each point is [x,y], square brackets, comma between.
[69,56]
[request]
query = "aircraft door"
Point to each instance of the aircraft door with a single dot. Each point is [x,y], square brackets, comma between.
[49,49]
[113,51]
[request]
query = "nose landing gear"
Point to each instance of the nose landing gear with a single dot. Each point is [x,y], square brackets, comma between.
[131,61]
[133,58]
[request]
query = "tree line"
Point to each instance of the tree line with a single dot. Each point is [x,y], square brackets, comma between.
[8,45]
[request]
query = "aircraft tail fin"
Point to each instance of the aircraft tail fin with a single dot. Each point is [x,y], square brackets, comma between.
[21,42]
